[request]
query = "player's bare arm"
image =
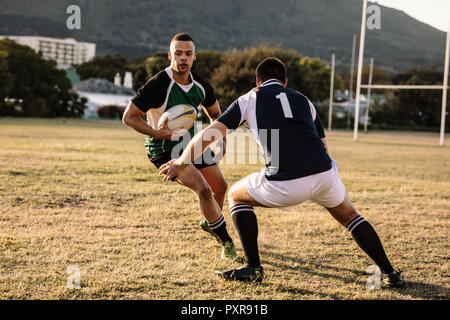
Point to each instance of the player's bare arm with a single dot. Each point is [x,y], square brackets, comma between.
[132,117]
[213,112]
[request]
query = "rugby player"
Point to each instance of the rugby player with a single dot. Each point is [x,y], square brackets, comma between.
[298,168]
[172,86]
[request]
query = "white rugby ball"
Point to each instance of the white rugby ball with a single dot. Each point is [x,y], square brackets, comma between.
[180,116]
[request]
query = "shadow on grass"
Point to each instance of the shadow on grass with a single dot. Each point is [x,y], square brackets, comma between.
[301,265]
[299,291]
[420,290]
[416,290]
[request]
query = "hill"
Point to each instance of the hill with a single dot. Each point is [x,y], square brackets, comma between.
[313,28]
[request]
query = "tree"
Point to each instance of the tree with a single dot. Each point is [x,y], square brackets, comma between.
[428,74]
[236,75]
[103,67]
[207,62]
[379,76]
[156,63]
[413,109]
[137,68]
[139,77]
[316,79]
[44,90]
[6,80]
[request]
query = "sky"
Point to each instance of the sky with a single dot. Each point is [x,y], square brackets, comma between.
[433,12]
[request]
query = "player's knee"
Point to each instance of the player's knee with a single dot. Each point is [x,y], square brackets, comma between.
[233,195]
[349,215]
[221,187]
[204,191]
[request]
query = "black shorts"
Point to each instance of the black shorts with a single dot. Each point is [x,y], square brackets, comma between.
[165,157]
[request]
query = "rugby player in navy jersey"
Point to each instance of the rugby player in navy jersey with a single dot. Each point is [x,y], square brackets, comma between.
[298,168]
[170,87]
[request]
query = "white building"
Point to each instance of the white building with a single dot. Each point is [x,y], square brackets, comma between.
[100,93]
[64,51]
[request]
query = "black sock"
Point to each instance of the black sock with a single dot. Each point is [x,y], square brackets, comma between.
[367,239]
[244,219]
[220,228]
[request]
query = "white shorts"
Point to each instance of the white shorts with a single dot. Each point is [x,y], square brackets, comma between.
[325,188]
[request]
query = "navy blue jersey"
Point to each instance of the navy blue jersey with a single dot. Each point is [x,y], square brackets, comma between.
[287,128]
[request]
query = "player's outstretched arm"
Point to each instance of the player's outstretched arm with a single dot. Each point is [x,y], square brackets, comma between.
[213,113]
[216,131]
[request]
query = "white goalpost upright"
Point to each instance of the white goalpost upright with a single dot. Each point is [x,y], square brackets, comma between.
[360,65]
[330,107]
[442,87]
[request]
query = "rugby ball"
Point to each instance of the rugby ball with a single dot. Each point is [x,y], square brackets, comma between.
[180,116]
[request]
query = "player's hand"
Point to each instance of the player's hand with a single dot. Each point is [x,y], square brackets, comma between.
[222,145]
[170,169]
[165,133]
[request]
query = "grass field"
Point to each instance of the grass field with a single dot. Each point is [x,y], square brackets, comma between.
[83,193]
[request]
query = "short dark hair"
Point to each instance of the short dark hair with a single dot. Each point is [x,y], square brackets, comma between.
[271,68]
[181,37]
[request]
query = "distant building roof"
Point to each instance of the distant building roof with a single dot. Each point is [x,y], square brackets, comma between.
[97,85]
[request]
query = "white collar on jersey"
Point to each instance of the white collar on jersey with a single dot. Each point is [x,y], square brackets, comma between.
[271,82]
[185,87]
[169,71]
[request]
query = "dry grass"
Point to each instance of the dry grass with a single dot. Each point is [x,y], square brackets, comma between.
[82,193]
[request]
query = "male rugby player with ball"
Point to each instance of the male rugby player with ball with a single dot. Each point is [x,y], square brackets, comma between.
[298,168]
[169,88]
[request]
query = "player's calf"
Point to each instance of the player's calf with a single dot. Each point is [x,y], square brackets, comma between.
[367,239]
[245,221]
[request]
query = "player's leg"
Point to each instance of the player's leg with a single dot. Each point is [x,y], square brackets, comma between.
[257,190]
[239,194]
[360,229]
[216,181]
[344,213]
[367,239]
[193,179]
[214,223]
[241,207]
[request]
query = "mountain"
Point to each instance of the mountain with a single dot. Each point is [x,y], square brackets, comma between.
[315,28]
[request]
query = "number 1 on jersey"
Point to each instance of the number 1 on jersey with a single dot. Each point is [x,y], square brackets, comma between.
[285,105]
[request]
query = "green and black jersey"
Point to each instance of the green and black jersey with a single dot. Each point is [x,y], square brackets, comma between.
[162,92]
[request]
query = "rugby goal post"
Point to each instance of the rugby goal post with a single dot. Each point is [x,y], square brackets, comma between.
[442,87]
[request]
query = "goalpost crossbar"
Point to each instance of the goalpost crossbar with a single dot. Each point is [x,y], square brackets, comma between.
[410,87]
[359,86]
